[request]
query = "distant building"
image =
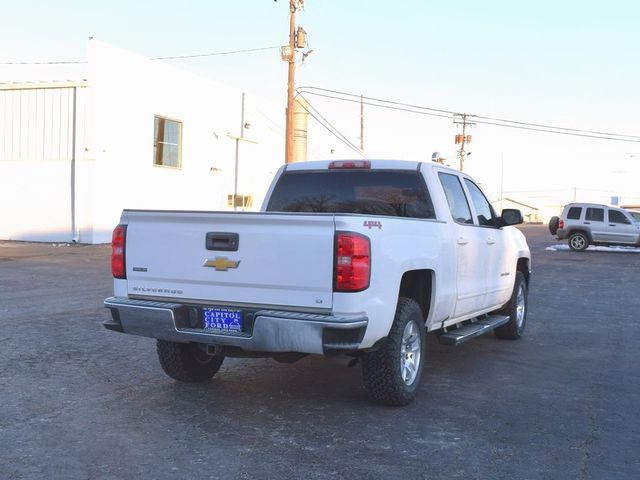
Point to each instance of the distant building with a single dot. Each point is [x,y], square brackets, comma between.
[135,134]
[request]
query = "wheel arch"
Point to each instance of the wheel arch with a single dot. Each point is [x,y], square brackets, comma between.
[524,266]
[584,231]
[419,285]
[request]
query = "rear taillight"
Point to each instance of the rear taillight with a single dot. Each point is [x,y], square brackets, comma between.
[561,223]
[352,262]
[118,266]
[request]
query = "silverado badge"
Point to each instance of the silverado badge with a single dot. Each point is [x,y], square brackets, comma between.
[221,263]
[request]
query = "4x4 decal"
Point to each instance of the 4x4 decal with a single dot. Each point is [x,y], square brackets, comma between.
[372,223]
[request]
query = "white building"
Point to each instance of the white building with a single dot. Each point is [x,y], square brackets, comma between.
[135,134]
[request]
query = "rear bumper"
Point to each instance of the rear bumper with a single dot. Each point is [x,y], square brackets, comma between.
[269,330]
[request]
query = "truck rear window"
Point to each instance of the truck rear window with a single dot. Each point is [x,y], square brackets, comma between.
[370,192]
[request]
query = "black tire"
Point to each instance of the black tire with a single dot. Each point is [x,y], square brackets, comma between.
[400,354]
[187,362]
[554,223]
[578,241]
[516,309]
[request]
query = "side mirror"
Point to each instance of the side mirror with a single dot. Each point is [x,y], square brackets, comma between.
[510,216]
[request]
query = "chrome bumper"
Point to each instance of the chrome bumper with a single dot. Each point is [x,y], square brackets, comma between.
[270,330]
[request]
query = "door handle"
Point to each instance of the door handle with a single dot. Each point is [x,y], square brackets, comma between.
[587,223]
[462,241]
[491,241]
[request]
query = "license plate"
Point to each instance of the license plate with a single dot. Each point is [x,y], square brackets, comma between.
[225,319]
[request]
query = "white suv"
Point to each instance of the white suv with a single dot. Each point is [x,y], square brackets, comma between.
[585,224]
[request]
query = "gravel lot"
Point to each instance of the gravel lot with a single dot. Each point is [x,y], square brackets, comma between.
[80,402]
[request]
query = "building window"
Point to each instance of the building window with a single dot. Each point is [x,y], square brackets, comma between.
[167,142]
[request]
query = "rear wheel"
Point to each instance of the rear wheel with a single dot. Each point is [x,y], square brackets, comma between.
[517,311]
[391,374]
[578,242]
[187,362]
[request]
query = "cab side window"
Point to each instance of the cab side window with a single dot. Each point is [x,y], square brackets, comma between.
[456,198]
[595,215]
[615,216]
[484,210]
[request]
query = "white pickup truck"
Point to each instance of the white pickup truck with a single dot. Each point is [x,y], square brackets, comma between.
[346,257]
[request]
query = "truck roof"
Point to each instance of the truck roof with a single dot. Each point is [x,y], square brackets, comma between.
[375,164]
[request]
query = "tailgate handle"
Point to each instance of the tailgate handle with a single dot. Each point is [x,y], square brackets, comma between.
[223,241]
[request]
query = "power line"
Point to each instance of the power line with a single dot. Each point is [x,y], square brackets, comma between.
[331,129]
[299,90]
[334,131]
[44,63]
[174,57]
[601,137]
[475,116]
[557,128]
[419,109]
[343,138]
[213,54]
[379,100]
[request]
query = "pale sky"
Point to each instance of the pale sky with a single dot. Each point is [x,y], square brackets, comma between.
[564,63]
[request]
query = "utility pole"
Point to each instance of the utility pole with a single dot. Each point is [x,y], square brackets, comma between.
[462,140]
[291,82]
[243,127]
[297,39]
[235,177]
[361,123]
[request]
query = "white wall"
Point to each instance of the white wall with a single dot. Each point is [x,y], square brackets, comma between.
[36,151]
[114,148]
[126,92]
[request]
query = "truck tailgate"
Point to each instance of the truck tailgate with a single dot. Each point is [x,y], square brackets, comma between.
[280,259]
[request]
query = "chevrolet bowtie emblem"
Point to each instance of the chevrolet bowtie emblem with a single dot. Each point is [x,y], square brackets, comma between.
[221,263]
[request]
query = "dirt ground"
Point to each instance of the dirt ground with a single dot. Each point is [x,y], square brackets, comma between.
[80,402]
